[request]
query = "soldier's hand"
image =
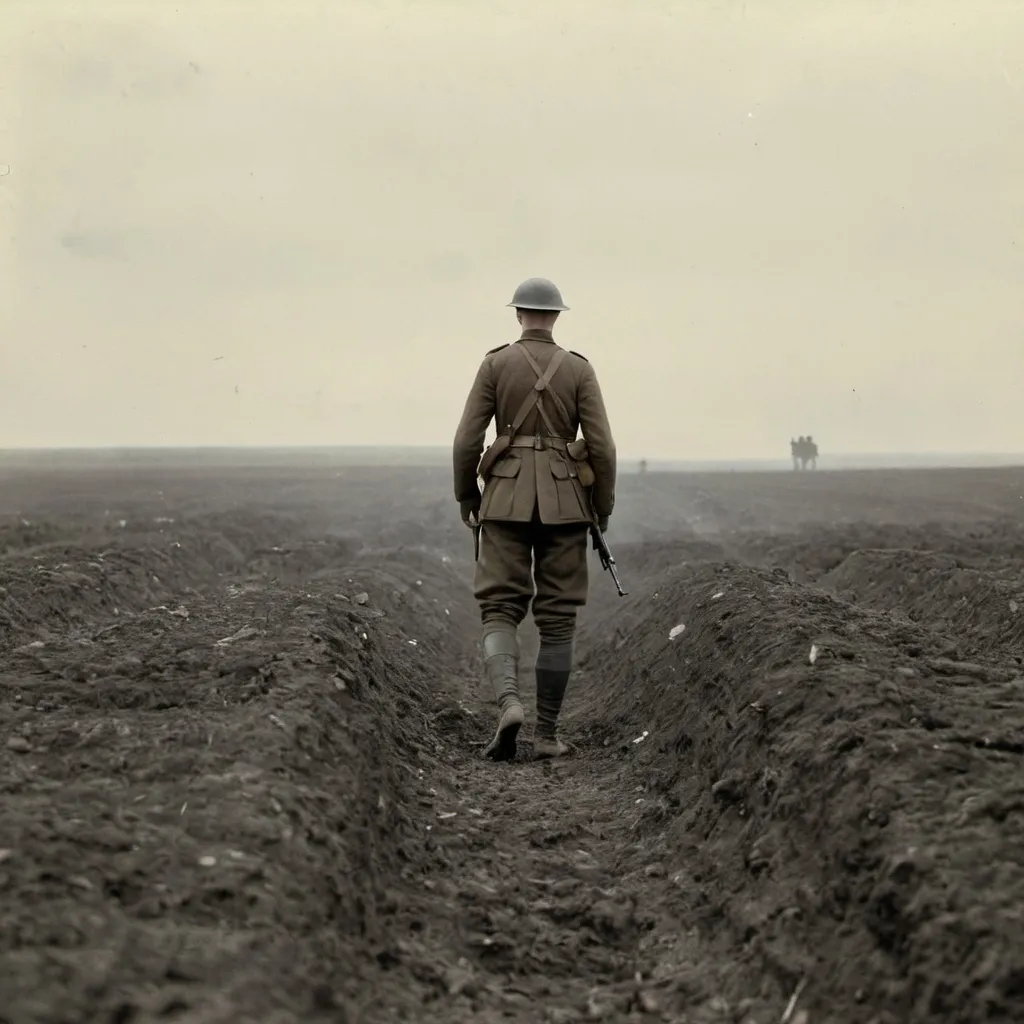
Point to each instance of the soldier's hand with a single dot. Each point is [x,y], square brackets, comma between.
[470,511]
[602,523]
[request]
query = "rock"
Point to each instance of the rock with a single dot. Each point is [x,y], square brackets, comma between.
[729,789]
[19,745]
[950,667]
[562,1015]
[245,633]
[647,1003]
[456,979]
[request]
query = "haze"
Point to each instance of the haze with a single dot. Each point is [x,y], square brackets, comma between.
[299,223]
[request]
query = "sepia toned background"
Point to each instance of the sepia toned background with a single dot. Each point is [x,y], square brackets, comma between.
[299,223]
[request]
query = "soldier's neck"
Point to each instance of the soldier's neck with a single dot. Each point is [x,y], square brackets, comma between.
[530,321]
[536,334]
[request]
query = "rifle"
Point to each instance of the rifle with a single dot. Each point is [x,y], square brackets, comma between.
[474,524]
[607,561]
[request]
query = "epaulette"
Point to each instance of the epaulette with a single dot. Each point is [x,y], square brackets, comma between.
[581,355]
[498,349]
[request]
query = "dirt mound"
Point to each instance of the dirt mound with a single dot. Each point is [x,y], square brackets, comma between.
[985,611]
[202,815]
[847,797]
[47,590]
[45,597]
[298,560]
[817,549]
[17,534]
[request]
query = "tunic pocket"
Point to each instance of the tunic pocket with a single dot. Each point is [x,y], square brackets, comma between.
[500,489]
[567,490]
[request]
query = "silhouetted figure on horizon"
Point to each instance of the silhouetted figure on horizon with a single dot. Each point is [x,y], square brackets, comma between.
[812,453]
[804,450]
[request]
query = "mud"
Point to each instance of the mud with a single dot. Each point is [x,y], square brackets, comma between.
[240,737]
[842,792]
[982,608]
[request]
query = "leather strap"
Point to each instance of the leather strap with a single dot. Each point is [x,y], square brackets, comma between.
[543,379]
[562,448]
[533,398]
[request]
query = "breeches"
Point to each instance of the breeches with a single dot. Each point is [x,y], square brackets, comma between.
[516,556]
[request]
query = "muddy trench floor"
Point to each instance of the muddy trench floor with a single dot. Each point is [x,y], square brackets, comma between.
[552,901]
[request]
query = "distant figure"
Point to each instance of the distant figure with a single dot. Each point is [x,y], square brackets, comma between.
[643,465]
[811,453]
[804,451]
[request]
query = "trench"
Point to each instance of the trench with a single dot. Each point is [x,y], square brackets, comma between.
[550,890]
[548,898]
[796,792]
[299,825]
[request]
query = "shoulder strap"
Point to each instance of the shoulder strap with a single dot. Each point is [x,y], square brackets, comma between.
[541,385]
[533,397]
[580,354]
[491,351]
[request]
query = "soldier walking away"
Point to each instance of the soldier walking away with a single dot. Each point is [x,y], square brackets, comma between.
[543,491]
[810,452]
[794,450]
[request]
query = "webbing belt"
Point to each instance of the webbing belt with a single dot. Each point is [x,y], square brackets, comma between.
[536,441]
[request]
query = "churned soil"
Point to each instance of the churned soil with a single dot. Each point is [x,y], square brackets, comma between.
[982,608]
[201,803]
[241,725]
[843,790]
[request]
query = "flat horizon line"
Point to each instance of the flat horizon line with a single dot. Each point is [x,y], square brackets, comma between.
[437,449]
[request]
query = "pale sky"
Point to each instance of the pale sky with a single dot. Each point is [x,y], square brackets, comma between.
[299,223]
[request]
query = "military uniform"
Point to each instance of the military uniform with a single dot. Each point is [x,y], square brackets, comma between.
[543,490]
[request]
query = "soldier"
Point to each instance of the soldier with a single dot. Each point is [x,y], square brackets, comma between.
[812,452]
[542,491]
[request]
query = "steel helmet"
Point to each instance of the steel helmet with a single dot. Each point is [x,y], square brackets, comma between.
[538,293]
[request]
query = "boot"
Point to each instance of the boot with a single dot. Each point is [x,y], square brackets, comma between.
[554,665]
[501,660]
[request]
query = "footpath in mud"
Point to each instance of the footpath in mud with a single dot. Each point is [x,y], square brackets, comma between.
[257,795]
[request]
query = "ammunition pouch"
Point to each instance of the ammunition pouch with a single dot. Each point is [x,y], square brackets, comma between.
[498,447]
[579,453]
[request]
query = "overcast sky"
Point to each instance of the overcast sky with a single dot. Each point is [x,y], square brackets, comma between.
[299,223]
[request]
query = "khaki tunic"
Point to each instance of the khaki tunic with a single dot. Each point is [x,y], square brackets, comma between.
[532,480]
